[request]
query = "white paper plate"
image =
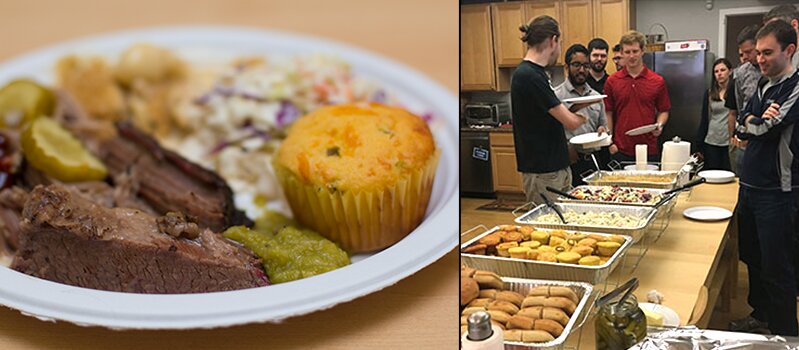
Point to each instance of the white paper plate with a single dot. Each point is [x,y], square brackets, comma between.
[588,138]
[707,213]
[717,176]
[641,130]
[670,317]
[585,99]
[435,236]
[648,167]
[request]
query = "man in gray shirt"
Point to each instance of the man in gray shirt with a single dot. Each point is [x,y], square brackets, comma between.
[742,86]
[577,68]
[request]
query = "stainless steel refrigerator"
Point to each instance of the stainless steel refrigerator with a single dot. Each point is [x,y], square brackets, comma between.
[687,75]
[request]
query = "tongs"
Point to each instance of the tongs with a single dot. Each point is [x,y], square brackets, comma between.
[698,181]
[554,207]
[559,192]
[668,195]
[627,287]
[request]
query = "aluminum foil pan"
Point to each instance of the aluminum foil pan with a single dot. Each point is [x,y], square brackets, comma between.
[583,291]
[637,232]
[608,178]
[653,191]
[523,268]
[663,212]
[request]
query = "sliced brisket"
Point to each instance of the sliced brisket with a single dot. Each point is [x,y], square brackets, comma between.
[162,178]
[68,239]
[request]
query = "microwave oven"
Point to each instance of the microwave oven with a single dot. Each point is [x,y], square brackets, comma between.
[494,114]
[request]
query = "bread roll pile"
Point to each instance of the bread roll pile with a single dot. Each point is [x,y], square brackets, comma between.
[551,246]
[540,316]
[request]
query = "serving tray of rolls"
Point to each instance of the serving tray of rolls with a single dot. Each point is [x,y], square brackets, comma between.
[614,219]
[532,313]
[525,251]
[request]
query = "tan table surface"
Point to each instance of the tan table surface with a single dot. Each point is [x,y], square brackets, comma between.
[418,312]
[677,265]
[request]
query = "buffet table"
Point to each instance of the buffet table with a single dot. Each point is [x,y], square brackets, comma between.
[417,312]
[688,264]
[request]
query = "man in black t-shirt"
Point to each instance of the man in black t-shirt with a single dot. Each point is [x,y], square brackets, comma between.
[598,54]
[538,116]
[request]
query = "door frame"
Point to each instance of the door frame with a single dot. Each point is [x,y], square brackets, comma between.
[724,13]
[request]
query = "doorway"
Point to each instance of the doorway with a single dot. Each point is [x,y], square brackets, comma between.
[731,21]
[734,26]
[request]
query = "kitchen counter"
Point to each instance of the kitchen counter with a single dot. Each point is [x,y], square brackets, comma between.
[418,312]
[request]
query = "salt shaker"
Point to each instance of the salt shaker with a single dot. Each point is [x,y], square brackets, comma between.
[482,334]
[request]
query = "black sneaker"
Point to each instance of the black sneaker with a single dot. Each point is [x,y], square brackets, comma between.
[748,324]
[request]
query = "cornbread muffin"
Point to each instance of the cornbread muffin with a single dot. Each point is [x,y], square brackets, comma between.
[590,260]
[359,174]
[607,248]
[519,252]
[502,248]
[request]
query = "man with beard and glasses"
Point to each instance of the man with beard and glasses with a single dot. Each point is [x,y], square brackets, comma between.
[769,184]
[598,54]
[577,68]
[539,118]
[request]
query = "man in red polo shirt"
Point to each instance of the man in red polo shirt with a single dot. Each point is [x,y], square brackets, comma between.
[637,97]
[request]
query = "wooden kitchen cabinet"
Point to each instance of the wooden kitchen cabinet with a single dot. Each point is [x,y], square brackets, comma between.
[534,9]
[577,23]
[611,21]
[477,53]
[506,17]
[503,163]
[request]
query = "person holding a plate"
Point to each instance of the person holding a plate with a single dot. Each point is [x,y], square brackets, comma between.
[539,118]
[637,97]
[576,84]
[768,196]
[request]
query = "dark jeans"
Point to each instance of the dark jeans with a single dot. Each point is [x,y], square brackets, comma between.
[584,163]
[766,241]
[717,157]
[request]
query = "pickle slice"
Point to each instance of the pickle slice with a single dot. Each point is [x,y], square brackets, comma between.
[23,100]
[53,150]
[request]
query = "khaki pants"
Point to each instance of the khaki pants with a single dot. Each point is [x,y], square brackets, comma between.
[537,183]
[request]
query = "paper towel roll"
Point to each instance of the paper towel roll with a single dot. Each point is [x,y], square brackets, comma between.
[640,157]
[675,154]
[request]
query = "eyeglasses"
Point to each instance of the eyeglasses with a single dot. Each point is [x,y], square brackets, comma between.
[577,65]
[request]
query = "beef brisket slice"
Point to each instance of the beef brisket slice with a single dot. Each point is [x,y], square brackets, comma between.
[68,239]
[162,178]
[169,182]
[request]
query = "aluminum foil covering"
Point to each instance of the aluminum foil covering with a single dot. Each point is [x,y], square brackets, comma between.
[583,291]
[644,213]
[691,338]
[599,178]
[523,268]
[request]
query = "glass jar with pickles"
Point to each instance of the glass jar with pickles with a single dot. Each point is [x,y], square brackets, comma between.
[620,325]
